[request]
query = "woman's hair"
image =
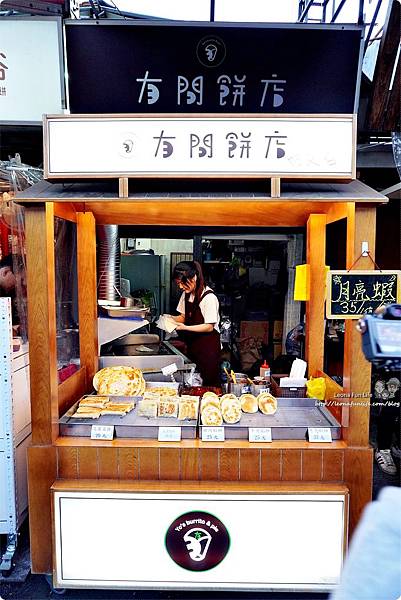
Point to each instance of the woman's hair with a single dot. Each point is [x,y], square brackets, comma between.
[187,270]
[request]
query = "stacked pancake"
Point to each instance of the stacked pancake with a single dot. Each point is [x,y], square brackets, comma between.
[92,407]
[119,381]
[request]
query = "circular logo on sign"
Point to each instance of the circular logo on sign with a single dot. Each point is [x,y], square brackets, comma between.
[126,144]
[197,541]
[211,51]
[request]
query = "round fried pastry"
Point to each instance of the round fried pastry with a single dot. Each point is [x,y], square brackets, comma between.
[267,403]
[249,404]
[211,416]
[231,411]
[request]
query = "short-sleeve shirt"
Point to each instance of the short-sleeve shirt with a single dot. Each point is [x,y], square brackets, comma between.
[209,307]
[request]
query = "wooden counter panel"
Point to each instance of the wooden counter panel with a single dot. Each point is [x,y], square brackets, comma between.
[224,487]
[108,463]
[249,461]
[209,465]
[88,463]
[333,465]
[67,463]
[189,463]
[170,463]
[228,464]
[149,464]
[312,465]
[141,443]
[128,463]
[292,465]
[271,466]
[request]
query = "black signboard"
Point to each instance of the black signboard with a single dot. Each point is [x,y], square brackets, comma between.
[170,67]
[352,294]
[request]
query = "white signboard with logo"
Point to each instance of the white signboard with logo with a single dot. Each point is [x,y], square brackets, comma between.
[199,541]
[312,146]
[31,69]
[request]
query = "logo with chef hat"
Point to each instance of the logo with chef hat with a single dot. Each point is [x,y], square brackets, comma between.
[211,51]
[197,541]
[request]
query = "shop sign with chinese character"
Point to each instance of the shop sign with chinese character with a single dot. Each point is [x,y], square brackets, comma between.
[172,67]
[142,146]
[31,69]
[352,294]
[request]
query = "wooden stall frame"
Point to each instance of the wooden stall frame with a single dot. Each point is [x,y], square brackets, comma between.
[348,461]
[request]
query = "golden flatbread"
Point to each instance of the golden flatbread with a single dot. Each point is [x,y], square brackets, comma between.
[249,404]
[209,401]
[212,416]
[188,408]
[168,407]
[94,401]
[231,411]
[267,403]
[119,381]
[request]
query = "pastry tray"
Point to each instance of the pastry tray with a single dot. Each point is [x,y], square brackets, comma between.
[290,422]
[129,426]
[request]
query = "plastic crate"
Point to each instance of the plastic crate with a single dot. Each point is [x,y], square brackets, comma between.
[286,392]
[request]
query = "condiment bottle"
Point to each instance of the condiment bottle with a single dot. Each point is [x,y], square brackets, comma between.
[265,371]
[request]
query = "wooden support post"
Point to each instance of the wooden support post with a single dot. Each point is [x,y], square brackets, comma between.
[42,473]
[361,227]
[39,235]
[316,258]
[275,187]
[87,293]
[123,187]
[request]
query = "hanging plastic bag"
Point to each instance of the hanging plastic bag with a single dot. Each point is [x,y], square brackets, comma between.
[316,388]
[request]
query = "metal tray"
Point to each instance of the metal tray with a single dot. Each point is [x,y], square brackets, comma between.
[129,426]
[290,422]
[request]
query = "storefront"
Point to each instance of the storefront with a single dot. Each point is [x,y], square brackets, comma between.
[70,477]
[185,512]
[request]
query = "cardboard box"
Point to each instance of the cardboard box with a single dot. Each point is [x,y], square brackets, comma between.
[278,331]
[255,329]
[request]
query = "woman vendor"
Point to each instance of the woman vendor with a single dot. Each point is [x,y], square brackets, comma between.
[198,321]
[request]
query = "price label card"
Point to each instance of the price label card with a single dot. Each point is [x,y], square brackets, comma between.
[260,434]
[102,432]
[169,369]
[319,434]
[169,434]
[212,434]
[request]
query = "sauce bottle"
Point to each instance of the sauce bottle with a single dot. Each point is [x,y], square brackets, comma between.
[265,371]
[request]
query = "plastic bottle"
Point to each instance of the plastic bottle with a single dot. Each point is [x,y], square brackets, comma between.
[265,371]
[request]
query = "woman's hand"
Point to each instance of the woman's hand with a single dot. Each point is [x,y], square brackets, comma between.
[181,327]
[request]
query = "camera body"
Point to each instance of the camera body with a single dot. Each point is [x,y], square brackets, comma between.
[381,337]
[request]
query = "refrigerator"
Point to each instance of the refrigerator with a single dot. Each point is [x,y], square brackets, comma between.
[146,271]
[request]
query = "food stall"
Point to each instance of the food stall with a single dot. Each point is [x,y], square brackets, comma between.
[290,498]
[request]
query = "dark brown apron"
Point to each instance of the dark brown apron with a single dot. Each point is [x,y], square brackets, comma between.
[202,348]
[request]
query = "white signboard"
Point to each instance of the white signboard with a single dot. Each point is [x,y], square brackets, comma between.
[202,146]
[31,69]
[195,541]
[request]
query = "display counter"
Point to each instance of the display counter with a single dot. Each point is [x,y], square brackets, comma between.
[77,465]
[296,535]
